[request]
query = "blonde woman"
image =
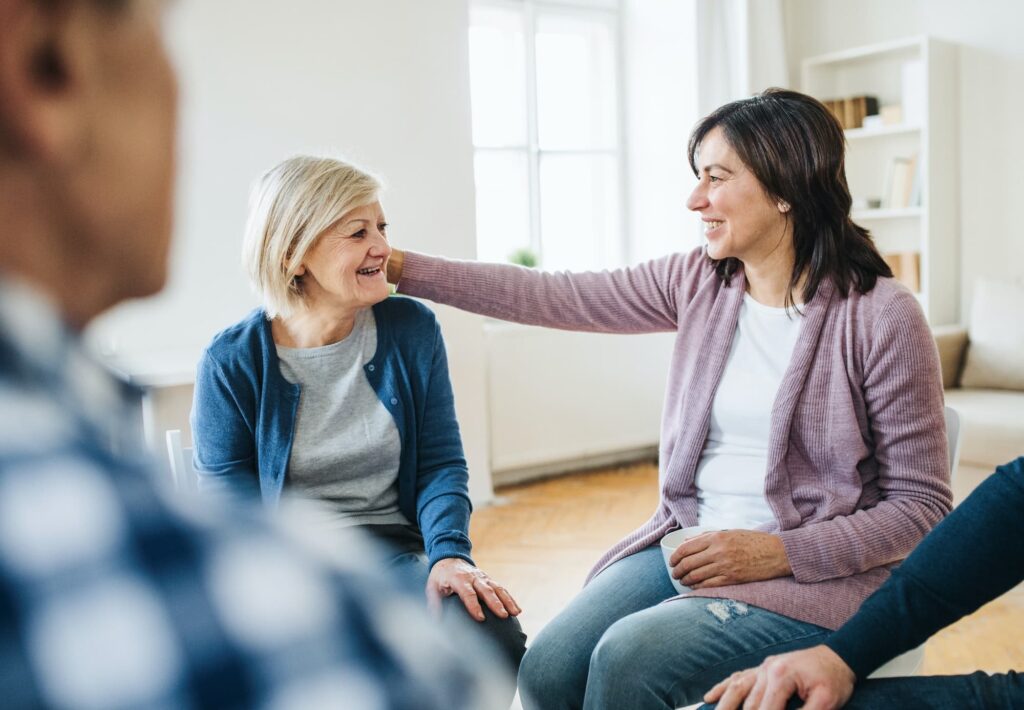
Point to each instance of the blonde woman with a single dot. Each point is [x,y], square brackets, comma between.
[335,392]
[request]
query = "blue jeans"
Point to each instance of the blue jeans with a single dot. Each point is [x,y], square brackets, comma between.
[616,646]
[977,691]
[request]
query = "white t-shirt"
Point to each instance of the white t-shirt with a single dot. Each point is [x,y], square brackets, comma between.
[732,467]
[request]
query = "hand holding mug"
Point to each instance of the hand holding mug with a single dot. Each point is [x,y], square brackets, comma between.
[723,557]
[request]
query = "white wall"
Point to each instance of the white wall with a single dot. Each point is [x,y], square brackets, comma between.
[990,161]
[561,401]
[384,83]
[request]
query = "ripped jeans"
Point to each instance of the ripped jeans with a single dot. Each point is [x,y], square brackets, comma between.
[616,646]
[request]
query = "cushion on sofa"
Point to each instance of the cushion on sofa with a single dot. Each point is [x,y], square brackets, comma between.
[991,423]
[995,356]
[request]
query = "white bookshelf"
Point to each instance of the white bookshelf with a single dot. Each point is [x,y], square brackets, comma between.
[930,228]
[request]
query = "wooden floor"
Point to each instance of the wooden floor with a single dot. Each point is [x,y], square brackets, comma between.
[540,540]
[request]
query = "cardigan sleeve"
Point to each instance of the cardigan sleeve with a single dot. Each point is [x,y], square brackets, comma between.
[442,495]
[223,431]
[902,390]
[639,299]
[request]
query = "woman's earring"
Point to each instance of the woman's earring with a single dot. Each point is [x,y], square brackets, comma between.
[783,206]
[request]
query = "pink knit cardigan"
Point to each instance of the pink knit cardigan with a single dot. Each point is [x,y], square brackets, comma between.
[858,469]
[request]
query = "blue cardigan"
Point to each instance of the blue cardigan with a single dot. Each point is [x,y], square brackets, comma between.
[243,419]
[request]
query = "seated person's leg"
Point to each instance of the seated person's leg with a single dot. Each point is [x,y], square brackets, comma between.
[410,564]
[977,691]
[555,668]
[957,692]
[670,654]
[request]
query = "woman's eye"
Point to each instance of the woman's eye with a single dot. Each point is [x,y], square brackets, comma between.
[360,234]
[713,178]
[383,226]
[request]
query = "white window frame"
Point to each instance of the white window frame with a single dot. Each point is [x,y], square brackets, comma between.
[610,9]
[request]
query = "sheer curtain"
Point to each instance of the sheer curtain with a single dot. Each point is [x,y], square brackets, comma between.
[741,49]
[684,58]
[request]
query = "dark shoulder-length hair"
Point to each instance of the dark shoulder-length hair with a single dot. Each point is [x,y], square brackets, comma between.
[796,149]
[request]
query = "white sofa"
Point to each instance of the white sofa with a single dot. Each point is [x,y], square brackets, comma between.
[983,373]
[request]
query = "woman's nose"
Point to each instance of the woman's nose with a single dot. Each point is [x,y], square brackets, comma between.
[380,246]
[698,199]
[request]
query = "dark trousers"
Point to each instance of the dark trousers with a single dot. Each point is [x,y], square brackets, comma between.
[408,559]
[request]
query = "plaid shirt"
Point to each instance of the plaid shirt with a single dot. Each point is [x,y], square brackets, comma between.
[114,594]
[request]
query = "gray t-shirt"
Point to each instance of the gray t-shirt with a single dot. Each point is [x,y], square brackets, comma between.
[346,448]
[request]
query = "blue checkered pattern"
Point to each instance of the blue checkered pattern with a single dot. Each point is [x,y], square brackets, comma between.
[114,594]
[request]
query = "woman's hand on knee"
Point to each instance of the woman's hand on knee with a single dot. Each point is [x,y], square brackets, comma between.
[453,575]
[716,559]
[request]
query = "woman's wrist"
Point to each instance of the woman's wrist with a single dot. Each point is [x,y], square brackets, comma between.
[395,262]
[782,568]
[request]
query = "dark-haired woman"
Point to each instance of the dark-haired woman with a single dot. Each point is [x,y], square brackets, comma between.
[803,419]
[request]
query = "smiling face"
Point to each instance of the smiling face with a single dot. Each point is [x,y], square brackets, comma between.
[740,219]
[345,267]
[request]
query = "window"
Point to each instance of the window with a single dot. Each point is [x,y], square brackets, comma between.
[544,80]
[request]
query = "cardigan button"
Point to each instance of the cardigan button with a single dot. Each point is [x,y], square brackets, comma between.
[394,400]
[370,368]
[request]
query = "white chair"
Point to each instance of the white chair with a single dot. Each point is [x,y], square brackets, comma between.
[182,473]
[953,436]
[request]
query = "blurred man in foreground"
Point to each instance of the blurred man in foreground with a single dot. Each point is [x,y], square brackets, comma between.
[111,596]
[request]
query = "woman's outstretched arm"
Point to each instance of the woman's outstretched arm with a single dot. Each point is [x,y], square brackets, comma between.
[639,299]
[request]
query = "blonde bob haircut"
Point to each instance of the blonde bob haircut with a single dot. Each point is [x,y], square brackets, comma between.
[291,205]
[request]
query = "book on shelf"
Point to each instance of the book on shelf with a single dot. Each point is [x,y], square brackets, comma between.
[835,107]
[906,268]
[851,111]
[902,183]
[915,186]
[891,115]
[856,108]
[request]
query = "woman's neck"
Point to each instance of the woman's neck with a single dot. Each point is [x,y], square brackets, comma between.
[769,279]
[314,327]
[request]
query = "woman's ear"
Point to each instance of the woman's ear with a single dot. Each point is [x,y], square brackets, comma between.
[300,269]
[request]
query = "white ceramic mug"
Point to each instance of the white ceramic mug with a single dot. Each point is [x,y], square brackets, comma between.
[674,539]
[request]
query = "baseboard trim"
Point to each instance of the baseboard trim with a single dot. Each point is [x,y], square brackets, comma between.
[550,469]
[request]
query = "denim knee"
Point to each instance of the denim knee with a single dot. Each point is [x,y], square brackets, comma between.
[619,653]
[548,678]
[535,675]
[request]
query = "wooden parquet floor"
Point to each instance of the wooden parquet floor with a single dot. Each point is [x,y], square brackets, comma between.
[540,540]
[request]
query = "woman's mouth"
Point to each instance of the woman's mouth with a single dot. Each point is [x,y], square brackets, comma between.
[370,271]
[711,225]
